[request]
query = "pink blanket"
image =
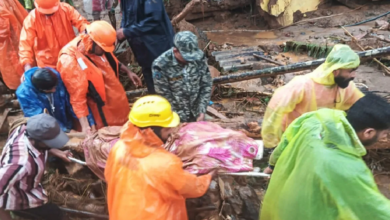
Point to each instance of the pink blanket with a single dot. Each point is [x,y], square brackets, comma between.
[205,146]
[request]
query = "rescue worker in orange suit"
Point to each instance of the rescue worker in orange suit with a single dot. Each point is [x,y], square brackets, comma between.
[12,15]
[144,181]
[46,30]
[90,73]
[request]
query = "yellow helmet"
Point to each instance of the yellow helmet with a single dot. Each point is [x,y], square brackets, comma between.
[153,110]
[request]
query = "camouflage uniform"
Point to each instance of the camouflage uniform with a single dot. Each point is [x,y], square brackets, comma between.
[187,87]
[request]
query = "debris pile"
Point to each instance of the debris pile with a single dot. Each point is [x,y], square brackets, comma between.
[81,191]
[229,198]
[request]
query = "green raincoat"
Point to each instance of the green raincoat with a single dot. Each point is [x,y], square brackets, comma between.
[320,175]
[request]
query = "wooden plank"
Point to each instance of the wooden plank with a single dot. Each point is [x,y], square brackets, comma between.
[214,112]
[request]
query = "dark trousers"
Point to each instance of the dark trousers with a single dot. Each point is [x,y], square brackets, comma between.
[49,211]
[148,77]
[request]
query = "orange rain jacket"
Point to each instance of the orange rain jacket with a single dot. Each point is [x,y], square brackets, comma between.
[43,36]
[12,15]
[147,182]
[76,70]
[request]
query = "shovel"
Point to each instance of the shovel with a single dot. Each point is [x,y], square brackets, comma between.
[77,161]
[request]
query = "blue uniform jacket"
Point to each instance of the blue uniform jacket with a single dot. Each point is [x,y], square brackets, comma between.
[33,101]
[148,29]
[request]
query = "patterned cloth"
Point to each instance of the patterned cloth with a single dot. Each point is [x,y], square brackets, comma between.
[21,169]
[205,146]
[187,87]
[97,148]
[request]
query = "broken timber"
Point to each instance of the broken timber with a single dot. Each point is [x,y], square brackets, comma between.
[274,70]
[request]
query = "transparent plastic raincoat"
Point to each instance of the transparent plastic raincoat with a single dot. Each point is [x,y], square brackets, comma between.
[147,182]
[43,37]
[320,173]
[77,70]
[12,15]
[309,93]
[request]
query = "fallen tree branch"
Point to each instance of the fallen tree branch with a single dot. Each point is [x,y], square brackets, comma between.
[185,12]
[266,59]
[387,70]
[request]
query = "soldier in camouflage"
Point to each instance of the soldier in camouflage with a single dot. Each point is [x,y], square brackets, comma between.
[182,76]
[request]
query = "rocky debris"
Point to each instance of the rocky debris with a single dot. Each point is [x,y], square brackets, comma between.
[382,24]
[232,197]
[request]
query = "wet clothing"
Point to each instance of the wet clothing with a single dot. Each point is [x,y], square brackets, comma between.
[309,93]
[21,170]
[12,15]
[187,87]
[43,37]
[33,101]
[149,32]
[320,173]
[80,70]
[139,168]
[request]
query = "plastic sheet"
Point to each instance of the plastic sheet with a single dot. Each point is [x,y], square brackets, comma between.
[139,168]
[74,74]
[12,15]
[320,173]
[43,37]
[205,146]
[309,93]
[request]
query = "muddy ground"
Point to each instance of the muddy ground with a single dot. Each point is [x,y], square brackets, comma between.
[243,27]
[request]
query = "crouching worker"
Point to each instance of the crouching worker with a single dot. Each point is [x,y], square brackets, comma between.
[319,171]
[139,168]
[22,165]
[90,73]
[44,89]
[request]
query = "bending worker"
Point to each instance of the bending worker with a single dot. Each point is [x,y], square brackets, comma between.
[90,73]
[22,166]
[182,76]
[329,86]
[320,173]
[138,167]
[44,89]
[46,30]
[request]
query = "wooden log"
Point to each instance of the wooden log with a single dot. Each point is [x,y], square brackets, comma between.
[279,70]
[185,12]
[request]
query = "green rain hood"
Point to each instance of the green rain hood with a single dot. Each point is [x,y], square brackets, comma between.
[320,175]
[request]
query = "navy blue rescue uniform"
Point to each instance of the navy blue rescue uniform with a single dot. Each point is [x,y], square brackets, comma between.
[149,32]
